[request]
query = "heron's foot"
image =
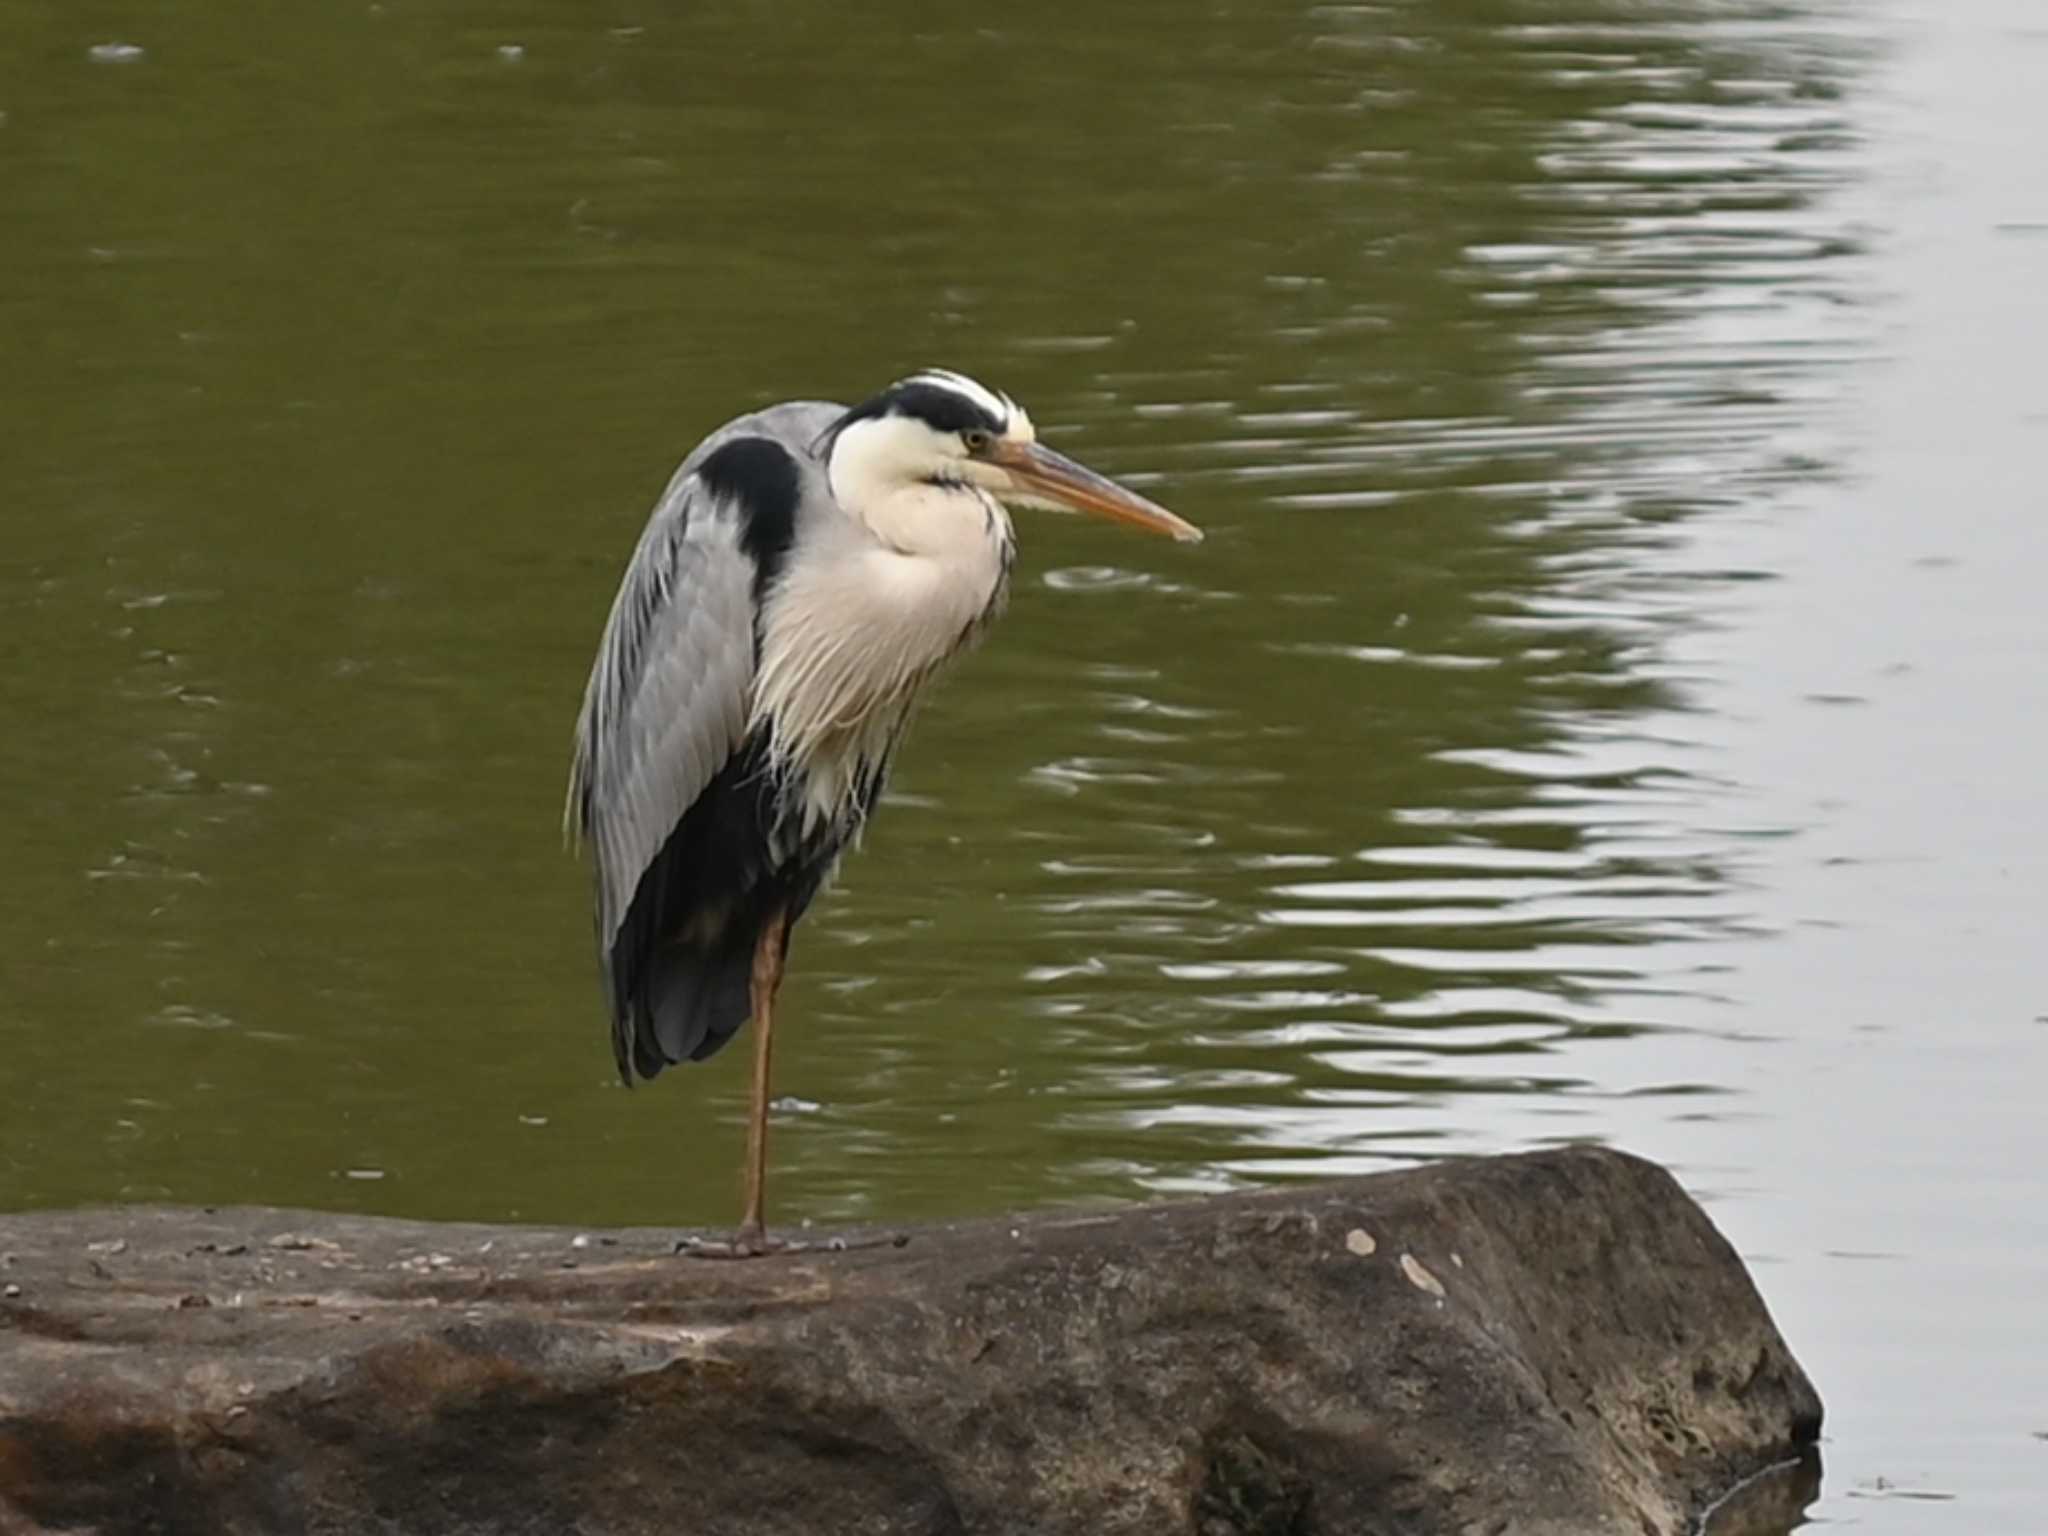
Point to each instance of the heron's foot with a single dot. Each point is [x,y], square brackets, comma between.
[753,1243]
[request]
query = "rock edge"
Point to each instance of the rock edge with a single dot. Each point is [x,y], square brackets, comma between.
[1546,1343]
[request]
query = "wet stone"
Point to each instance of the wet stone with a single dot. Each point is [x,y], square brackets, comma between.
[1594,1360]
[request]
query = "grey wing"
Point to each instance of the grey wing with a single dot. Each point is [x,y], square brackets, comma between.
[669,693]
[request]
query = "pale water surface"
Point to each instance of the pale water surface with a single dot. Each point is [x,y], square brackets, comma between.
[1610,704]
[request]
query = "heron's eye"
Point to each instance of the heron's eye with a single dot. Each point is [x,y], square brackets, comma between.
[977,441]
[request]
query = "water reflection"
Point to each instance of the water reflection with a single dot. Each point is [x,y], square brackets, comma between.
[1640,348]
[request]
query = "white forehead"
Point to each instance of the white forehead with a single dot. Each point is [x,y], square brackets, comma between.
[1017,421]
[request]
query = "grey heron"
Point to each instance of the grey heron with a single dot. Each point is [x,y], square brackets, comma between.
[807,571]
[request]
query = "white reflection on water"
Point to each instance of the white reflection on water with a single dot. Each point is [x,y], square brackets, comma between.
[1686,310]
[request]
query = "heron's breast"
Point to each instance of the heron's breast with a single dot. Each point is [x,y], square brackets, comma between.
[847,646]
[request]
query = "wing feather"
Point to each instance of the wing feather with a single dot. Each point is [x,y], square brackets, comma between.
[670,693]
[666,704]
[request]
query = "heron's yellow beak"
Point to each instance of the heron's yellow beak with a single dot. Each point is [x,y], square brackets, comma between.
[1040,472]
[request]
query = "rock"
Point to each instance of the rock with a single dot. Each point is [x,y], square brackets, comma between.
[1553,1343]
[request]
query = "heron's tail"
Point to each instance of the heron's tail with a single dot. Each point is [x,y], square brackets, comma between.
[695,999]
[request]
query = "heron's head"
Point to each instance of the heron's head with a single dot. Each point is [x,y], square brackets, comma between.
[939,428]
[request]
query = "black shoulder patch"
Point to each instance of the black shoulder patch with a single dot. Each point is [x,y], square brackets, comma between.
[760,478]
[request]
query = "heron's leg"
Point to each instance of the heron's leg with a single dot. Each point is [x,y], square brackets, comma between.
[752,1239]
[767,980]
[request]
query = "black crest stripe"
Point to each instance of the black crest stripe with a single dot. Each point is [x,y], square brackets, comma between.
[938,406]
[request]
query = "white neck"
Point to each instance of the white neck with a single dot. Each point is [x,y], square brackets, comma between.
[910,513]
[865,614]
[861,471]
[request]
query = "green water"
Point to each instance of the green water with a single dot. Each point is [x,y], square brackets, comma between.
[1608,704]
